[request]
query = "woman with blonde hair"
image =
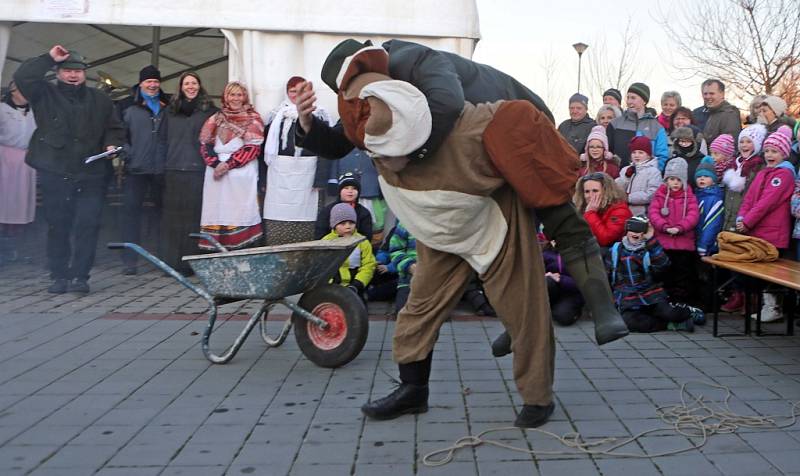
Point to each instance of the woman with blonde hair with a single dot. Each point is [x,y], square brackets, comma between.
[230,144]
[606,114]
[603,205]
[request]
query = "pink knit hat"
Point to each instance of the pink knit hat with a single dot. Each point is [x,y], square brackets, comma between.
[781,140]
[598,133]
[723,144]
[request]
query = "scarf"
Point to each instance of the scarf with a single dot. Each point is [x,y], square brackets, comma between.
[152,102]
[278,136]
[187,106]
[228,123]
[633,246]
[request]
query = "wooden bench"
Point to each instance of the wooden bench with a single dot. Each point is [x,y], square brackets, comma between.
[783,272]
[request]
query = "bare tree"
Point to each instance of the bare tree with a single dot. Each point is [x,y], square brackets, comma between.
[612,70]
[549,64]
[751,45]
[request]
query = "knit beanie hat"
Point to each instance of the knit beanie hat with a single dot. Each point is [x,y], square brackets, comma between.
[640,143]
[678,168]
[778,105]
[342,212]
[756,133]
[597,133]
[706,169]
[614,93]
[349,178]
[149,72]
[580,98]
[781,140]
[640,89]
[723,144]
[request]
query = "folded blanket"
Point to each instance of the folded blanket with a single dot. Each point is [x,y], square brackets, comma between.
[744,249]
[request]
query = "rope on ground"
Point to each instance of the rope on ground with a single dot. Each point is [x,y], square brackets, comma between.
[695,417]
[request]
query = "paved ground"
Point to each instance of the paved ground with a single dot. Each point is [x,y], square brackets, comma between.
[114,383]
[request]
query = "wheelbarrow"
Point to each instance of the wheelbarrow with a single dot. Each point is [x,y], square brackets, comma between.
[330,321]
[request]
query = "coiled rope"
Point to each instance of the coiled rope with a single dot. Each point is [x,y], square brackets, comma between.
[694,417]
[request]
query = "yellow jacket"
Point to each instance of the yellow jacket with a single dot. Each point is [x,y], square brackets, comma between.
[364,273]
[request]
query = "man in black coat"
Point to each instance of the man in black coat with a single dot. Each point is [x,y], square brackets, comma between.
[73,123]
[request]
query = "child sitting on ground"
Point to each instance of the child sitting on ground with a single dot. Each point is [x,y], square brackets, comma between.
[357,270]
[765,210]
[673,214]
[349,190]
[566,301]
[641,179]
[403,254]
[642,300]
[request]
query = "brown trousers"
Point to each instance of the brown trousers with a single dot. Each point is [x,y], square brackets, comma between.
[515,285]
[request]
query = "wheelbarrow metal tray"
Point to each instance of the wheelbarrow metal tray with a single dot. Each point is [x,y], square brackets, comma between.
[271,272]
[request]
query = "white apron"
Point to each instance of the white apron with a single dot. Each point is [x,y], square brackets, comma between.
[231,200]
[290,189]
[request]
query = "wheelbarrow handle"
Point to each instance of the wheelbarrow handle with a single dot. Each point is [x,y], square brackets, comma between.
[116,246]
[210,239]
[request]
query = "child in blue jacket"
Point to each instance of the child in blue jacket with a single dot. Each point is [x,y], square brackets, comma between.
[710,201]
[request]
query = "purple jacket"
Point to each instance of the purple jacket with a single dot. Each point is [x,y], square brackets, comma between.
[554,264]
[683,214]
[765,209]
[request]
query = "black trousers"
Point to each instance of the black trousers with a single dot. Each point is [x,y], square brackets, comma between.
[681,280]
[134,190]
[654,317]
[73,210]
[565,305]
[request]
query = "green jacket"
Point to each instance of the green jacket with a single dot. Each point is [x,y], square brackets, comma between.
[364,273]
[73,123]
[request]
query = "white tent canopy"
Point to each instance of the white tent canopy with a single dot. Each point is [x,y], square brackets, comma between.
[266,41]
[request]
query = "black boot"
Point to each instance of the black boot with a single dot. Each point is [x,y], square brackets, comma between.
[410,397]
[581,255]
[502,345]
[587,269]
[533,416]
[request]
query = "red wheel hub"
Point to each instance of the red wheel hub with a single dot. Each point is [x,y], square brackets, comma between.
[336,332]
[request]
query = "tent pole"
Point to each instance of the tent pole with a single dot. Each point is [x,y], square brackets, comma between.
[156,44]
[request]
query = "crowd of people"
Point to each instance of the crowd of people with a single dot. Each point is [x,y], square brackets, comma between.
[243,177]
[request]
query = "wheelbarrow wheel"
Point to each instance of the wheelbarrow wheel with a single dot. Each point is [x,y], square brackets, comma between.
[348,326]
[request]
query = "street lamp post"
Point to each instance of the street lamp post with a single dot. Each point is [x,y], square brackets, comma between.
[580,48]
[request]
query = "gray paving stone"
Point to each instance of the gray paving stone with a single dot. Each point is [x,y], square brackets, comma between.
[396,452]
[626,466]
[582,467]
[742,464]
[328,453]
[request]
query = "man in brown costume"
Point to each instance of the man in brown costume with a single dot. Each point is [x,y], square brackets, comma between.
[468,204]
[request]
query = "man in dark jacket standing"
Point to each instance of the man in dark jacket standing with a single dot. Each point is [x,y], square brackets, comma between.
[143,114]
[717,116]
[576,129]
[74,122]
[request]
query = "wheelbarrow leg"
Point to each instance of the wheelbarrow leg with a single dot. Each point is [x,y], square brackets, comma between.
[231,351]
[287,326]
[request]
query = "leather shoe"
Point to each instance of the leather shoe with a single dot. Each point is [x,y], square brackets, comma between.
[59,286]
[533,416]
[407,398]
[502,345]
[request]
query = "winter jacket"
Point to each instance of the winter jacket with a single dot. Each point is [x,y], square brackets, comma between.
[360,275]
[641,186]
[609,166]
[766,205]
[796,209]
[144,129]
[683,214]
[179,138]
[73,123]
[723,119]
[403,253]
[554,264]
[363,221]
[736,180]
[634,285]
[621,130]
[712,214]
[446,79]
[608,226]
[576,132]
[700,116]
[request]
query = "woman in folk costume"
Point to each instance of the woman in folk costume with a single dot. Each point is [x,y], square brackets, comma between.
[295,177]
[230,141]
[17,179]
[463,205]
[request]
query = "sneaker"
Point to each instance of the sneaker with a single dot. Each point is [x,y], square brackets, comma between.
[687,326]
[59,286]
[770,309]
[79,286]
[735,303]
[129,271]
[698,316]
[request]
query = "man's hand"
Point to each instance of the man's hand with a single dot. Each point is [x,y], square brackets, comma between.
[306,105]
[59,53]
[221,170]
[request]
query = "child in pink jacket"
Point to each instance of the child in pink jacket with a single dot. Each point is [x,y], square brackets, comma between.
[765,211]
[674,215]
